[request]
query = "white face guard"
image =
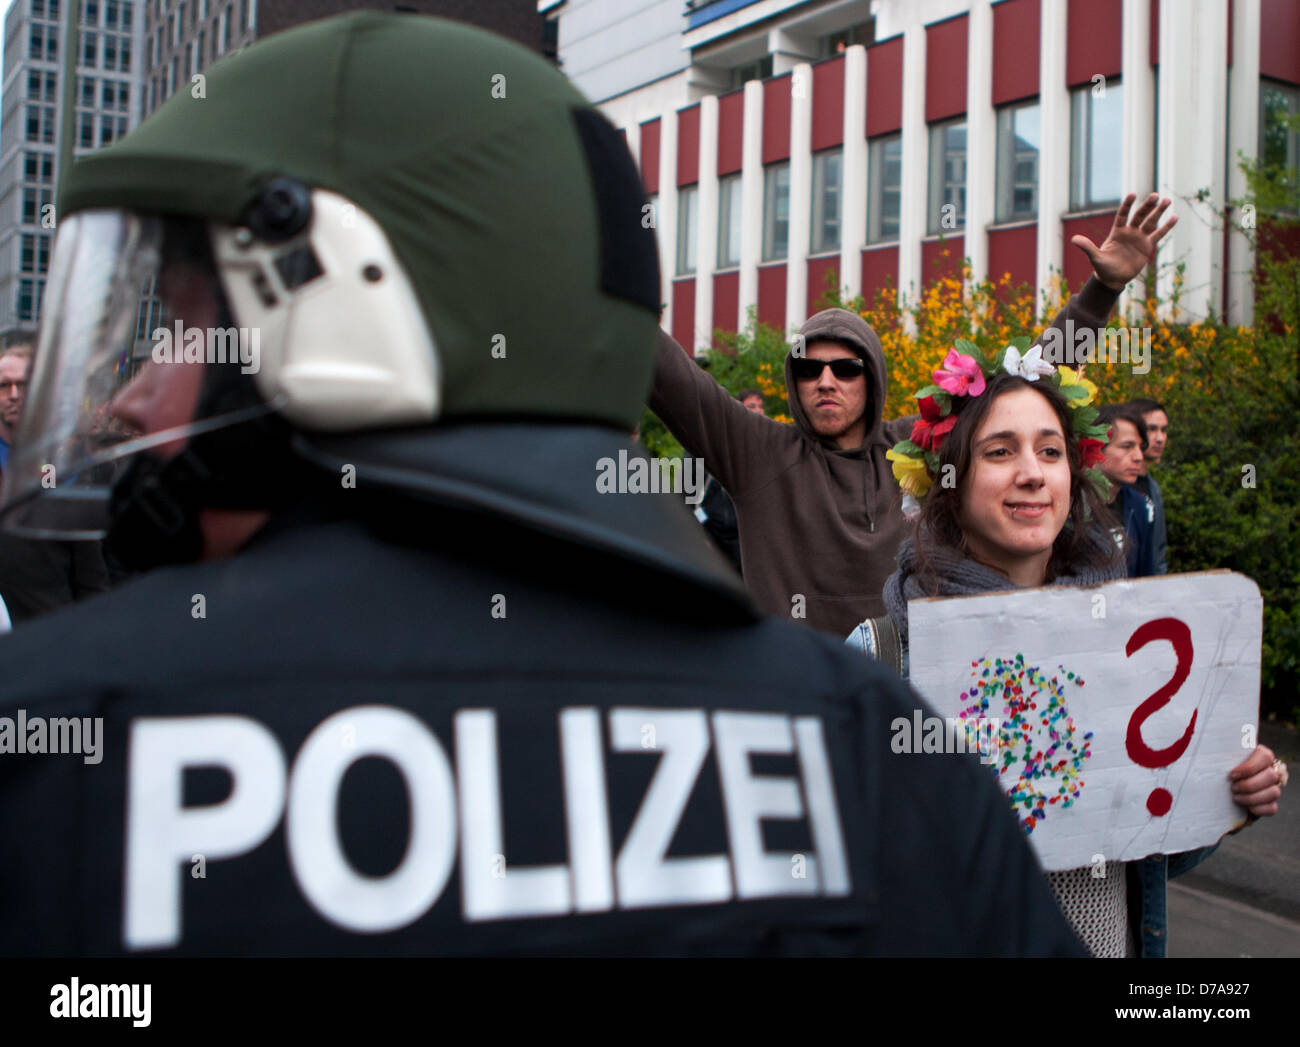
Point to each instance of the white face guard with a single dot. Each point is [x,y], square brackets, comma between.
[327,324]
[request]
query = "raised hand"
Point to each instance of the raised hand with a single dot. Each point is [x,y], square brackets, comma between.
[1131,242]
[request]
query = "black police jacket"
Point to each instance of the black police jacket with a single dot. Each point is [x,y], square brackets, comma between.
[551,724]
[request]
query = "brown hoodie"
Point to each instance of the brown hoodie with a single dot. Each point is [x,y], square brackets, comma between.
[819,526]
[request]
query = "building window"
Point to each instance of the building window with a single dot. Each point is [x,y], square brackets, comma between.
[1096,130]
[86,135]
[776,212]
[826,202]
[51,44]
[88,91]
[1279,138]
[947,211]
[1017,167]
[729,221]
[89,49]
[759,69]
[126,17]
[837,43]
[687,207]
[110,14]
[124,55]
[110,51]
[106,126]
[24,302]
[885,191]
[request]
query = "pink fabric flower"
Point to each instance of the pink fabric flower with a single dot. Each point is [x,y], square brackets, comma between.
[959,375]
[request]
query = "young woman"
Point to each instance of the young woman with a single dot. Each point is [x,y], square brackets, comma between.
[1019,509]
[1123,466]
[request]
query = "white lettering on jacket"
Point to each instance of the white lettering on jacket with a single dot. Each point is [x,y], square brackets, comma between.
[460,810]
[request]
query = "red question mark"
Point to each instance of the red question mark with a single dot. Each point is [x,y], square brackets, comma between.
[1177,633]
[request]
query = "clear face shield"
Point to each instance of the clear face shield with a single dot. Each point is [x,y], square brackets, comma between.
[101,367]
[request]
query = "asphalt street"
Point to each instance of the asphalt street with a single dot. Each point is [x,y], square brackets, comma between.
[1244,900]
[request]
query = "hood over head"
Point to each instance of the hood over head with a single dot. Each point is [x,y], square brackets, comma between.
[849,329]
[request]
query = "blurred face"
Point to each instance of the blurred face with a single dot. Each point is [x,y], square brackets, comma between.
[164,395]
[1017,493]
[754,404]
[1123,462]
[1157,434]
[836,407]
[13,390]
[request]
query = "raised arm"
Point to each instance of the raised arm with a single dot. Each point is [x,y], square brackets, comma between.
[738,446]
[1130,244]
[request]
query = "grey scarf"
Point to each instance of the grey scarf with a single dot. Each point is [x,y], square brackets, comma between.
[959,575]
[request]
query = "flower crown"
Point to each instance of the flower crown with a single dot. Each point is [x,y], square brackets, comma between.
[964,375]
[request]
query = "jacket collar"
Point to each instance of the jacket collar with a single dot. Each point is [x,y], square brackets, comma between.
[541,476]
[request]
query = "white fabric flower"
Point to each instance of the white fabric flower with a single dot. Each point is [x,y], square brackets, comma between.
[1030,367]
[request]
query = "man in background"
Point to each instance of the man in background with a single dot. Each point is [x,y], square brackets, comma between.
[38,575]
[1157,423]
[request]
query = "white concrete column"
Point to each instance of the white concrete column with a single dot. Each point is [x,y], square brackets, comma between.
[1243,137]
[1054,160]
[790,49]
[981,138]
[751,200]
[706,232]
[632,134]
[1138,80]
[916,147]
[1193,111]
[666,216]
[796,268]
[853,191]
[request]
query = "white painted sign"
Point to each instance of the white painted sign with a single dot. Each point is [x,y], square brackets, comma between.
[1121,708]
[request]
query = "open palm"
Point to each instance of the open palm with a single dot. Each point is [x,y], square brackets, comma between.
[1131,241]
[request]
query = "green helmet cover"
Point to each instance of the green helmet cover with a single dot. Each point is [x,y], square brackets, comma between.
[466,149]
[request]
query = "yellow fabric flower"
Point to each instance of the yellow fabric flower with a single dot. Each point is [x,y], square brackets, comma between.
[911,474]
[1069,376]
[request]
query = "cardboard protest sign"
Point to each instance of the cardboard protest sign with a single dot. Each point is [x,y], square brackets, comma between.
[1118,710]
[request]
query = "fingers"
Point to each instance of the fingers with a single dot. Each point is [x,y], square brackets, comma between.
[1086,246]
[1144,210]
[1152,219]
[1121,214]
[1253,764]
[1159,234]
[1253,802]
[1265,781]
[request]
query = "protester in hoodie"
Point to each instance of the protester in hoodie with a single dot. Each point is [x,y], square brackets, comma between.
[819,511]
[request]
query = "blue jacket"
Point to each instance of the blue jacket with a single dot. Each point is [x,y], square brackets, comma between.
[1137,512]
[1148,486]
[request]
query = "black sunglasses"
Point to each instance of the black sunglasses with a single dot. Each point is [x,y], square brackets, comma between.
[806,369]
